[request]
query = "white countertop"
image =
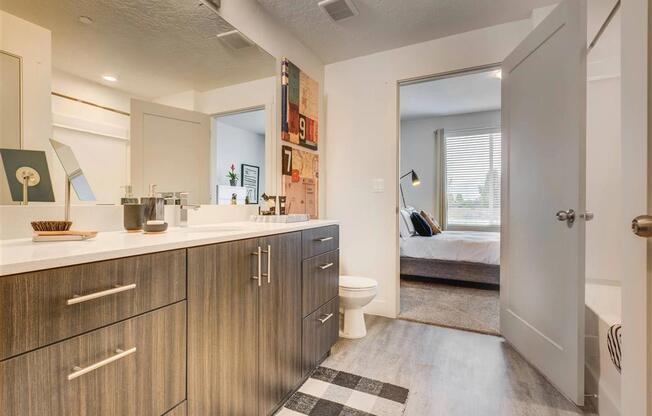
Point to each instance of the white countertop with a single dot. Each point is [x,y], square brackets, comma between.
[23,255]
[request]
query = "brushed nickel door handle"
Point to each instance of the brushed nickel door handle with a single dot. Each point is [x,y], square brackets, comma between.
[642,226]
[78,371]
[258,277]
[85,298]
[325,318]
[324,239]
[326,266]
[269,264]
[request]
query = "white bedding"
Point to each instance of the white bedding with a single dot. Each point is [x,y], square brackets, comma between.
[471,246]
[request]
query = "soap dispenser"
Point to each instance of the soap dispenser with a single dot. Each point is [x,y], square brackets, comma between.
[154,205]
[129,196]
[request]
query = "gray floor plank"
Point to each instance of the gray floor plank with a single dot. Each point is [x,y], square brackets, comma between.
[449,372]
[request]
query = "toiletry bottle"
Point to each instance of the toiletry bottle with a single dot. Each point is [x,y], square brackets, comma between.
[129,196]
[154,205]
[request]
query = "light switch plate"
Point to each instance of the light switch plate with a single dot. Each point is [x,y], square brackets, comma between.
[378,185]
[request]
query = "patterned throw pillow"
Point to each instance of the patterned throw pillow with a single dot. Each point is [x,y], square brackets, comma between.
[420,225]
[432,222]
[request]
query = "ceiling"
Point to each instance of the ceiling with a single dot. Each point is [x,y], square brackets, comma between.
[154,47]
[470,93]
[252,121]
[388,24]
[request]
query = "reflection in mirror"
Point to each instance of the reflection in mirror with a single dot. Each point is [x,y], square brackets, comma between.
[240,154]
[10,101]
[74,172]
[133,86]
[10,111]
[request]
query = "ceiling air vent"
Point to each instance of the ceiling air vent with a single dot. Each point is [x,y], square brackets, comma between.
[339,10]
[235,39]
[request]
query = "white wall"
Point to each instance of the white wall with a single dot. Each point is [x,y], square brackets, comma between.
[258,25]
[362,126]
[603,165]
[237,146]
[418,153]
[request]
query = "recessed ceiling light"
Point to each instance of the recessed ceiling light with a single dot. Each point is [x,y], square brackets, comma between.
[86,20]
[497,74]
[109,78]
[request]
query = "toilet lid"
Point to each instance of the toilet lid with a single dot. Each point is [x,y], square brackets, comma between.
[356,282]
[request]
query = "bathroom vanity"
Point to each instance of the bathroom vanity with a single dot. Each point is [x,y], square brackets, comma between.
[217,320]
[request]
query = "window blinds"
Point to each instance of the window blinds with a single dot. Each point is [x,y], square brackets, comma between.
[472,178]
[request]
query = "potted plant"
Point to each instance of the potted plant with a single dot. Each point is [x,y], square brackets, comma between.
[232,176]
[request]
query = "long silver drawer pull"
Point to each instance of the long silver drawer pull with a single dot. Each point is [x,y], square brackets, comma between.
[324,239]
[78,371]
[258,277]
[117,289]
[268,275]
[325,318]
[326,266]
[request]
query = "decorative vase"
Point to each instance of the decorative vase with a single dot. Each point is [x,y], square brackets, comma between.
[233,182]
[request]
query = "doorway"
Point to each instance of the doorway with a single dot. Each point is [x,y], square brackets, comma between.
[449,183]
[239,144]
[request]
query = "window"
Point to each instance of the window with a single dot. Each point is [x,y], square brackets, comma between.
[472,178]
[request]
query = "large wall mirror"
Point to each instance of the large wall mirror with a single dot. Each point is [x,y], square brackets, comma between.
[135,88]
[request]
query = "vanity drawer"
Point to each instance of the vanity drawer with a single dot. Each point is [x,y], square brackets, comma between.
[320,240]
[320,280]
[320,332]
[44,307]
[135,367]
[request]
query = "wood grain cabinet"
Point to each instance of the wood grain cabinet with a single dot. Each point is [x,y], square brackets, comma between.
[320,289]
[320,240]
[244,326]
[320,331]
[44,307]
[321,276]
[228,329]
[133,368]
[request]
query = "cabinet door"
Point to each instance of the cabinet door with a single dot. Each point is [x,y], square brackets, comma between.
[222,329]
[280,320]
[136,367]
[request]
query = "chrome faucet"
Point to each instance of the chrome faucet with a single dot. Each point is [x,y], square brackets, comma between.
[184,207]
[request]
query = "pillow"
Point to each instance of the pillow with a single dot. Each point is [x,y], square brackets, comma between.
[406,227]
[420,224]
[434,225]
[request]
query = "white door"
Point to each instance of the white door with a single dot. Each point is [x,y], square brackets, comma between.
[170,147]
[542,257]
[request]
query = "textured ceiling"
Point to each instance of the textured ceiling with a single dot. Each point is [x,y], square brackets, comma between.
[155,47]
[388,24]
[455,95]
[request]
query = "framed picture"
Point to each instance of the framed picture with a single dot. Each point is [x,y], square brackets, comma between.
[250,178]
[299,106]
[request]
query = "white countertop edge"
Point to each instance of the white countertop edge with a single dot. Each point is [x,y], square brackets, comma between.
[69,257]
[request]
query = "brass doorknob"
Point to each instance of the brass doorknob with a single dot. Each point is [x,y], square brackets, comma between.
[642,226]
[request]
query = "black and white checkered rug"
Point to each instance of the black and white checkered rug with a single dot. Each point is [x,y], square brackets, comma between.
[335,393]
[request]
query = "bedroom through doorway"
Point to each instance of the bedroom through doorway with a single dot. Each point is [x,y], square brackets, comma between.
[449,184]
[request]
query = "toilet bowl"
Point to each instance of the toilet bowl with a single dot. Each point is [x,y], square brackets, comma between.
[355,293]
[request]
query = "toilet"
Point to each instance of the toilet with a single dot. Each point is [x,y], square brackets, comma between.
[355,293]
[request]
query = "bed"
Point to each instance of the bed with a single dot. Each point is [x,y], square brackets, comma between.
[469,256]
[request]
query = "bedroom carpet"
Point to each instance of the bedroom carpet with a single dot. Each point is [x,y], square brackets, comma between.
[459,307]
